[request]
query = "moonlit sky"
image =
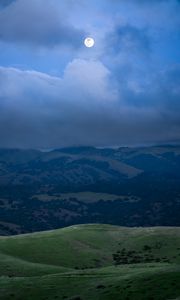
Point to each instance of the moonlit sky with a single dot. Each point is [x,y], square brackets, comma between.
[55,92]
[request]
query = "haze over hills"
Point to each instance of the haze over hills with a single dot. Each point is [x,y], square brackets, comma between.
[125,186]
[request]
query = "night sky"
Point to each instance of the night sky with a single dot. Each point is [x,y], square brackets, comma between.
[55,92]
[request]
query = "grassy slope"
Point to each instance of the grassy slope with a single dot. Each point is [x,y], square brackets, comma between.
[41,265]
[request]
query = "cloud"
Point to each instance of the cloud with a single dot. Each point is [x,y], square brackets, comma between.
[33,23]
[40,110]
[124,91]
[82,108]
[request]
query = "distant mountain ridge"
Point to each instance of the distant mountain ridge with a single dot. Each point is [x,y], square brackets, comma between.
[46,190]
[91,164]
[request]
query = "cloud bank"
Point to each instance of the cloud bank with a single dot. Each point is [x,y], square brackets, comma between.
[38,110]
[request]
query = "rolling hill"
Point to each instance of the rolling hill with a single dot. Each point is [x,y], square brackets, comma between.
[92,262]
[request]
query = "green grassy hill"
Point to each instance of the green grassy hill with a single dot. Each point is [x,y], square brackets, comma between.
[91,262]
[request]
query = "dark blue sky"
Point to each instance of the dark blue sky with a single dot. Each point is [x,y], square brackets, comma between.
[55,92]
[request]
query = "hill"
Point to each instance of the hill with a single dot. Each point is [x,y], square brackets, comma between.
[126,186]
[91,262]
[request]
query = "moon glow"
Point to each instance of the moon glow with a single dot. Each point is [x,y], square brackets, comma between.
[89,42]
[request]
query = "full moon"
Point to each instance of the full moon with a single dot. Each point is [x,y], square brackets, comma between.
[89,42]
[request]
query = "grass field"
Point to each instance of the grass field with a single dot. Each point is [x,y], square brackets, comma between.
[92,262]
[86,197]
